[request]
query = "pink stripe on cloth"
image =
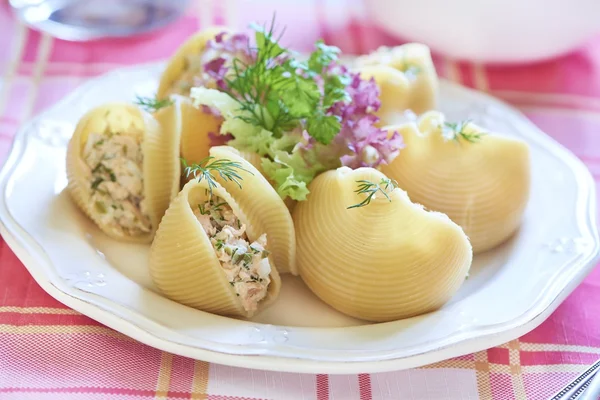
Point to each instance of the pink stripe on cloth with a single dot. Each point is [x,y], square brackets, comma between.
[364,382]
[182,376]
[498,355]
[576,130]
[88,389]
[557,357]
[576,73]
[322,387]
[62,361]
[149,47]
[501,386]
[543,386]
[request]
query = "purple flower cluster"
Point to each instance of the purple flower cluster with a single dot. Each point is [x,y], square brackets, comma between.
[360,142]
[369,145]
[219,56]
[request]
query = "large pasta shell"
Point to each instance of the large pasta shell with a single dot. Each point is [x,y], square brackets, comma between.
[263,206]
[160,169]
[183,262]
[177,64]
[385,261]
[196,126]
[483,186]
[413,61]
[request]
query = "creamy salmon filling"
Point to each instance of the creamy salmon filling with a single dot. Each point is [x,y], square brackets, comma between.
[245,264]
[114,168]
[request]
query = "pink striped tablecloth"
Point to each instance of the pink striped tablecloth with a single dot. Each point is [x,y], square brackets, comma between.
[50,351]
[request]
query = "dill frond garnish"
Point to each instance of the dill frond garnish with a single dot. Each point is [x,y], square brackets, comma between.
[152,104]
[370,188]
[456,131]
[227,170]
[277,91]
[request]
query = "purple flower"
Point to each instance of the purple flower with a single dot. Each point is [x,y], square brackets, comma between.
[216,139]
[220,54]
[361,142]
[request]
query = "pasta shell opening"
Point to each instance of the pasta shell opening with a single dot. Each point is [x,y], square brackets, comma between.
[263,206]
[111,174]
[201,256]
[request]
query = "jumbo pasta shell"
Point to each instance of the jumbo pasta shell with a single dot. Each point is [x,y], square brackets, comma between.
[483,186]
[178,63]
[160,166]
[385,261]
[413,61]
[263,206]
[196,126]
[395,91]
[183,262]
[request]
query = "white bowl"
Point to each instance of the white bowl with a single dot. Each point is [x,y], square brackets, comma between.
[497,31]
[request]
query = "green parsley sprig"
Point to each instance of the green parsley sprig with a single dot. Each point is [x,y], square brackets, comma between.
[152,104]
[227,170]
[385,186]
[278,92]
[456,131]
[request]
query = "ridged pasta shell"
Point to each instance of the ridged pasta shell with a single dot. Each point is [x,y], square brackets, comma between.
[178,63]
[385,261]
[196,125]
[261,203]
[160,168]
[256,161]
[414,62]
[482,186]
[183,262]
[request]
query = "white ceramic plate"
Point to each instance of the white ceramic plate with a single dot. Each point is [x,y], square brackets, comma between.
[511,289]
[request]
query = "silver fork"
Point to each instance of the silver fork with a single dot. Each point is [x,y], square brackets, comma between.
[578,386]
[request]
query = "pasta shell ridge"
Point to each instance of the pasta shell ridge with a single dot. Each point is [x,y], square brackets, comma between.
[385,261]
[483,185]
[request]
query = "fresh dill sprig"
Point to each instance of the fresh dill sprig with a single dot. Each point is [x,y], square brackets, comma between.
[203,170]
[371,188]
[277,91]
[152,104]
[456,131]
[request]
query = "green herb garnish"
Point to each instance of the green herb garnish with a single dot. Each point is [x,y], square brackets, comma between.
[202,210]
[97,183]
[101,168]
[371,188]
[100,207]
[205,168]
[152,104]
[219,244]
[456,131]
[277,91]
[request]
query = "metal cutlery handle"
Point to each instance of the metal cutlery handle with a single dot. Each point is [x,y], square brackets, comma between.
[578,385]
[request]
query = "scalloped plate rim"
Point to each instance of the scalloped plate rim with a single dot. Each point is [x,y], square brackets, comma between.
[479,340]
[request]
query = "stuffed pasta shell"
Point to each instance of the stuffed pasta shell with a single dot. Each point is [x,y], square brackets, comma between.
[261,203]
[480,180]
[379,257]
[209,255]
[123,168]
[406,77]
